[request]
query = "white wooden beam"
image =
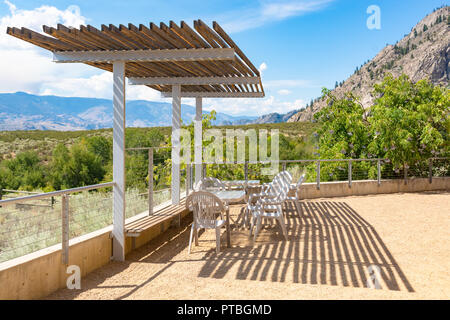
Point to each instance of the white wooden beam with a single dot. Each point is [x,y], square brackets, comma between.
[198,136]
[176,125]
[216,94]
[199,81]
[162,55]
[119,161]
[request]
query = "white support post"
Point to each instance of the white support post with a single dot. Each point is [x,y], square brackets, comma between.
[119,161]
[198,139]
[176,124]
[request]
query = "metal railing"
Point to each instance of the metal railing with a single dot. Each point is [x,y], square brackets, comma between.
[54,227]
[21,227]
[349,170]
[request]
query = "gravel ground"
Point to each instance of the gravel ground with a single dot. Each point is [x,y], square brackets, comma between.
[336,248]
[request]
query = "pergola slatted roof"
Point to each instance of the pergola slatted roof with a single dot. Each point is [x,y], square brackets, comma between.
[162,56]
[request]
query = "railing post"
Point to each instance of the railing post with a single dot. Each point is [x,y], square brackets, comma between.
[1,194]
[318,174]
[246,171]
[430,164]
[379,171]
[65,229]
[405,174]
[284,166]
[350,173]
[150,181]
[191,181]
[204,170]
[188,178]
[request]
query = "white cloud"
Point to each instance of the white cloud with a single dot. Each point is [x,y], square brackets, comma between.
[269,11]
[25,67]
[251,107]
[262,67]
[283,92]
[96,86]
[11,6]
[289,83]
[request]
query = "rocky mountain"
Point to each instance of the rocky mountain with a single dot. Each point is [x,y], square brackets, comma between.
[274,117]
[422,54]
[23,111]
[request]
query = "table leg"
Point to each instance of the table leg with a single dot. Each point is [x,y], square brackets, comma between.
[228,228]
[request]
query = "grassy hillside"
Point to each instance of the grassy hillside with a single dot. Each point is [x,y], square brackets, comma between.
[43,142]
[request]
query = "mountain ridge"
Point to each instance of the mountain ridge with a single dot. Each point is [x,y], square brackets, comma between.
[24,111]
[424,53]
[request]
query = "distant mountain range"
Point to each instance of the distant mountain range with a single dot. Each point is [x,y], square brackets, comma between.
[23,111]
[424,53]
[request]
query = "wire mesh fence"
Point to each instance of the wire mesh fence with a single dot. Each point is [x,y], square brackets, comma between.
[25,228]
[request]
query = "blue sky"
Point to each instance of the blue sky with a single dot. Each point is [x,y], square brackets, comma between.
[300,46]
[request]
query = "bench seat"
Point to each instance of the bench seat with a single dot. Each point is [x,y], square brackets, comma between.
[135,228]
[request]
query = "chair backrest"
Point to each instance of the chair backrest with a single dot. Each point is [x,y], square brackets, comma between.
[300,181]
[205,207]
[279,187]
[209,183]
[286,177]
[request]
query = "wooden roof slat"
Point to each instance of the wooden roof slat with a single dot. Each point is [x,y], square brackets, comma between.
[39,39]
[94,38]
[181,42]
[143,43]
[81,38]
[178,44]
[150,33]
[212,34]
[111,34]
[69,38]
[185,35]
[116,31]
[86,42]
[144,36]
[233,45]
[194,35]
[15,32]
[97,34]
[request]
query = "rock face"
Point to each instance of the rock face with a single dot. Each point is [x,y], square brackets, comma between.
[422,54]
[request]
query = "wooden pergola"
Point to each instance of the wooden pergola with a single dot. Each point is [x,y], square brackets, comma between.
[174,59]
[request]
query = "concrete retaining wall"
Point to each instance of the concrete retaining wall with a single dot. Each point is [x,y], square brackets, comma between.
[360,188]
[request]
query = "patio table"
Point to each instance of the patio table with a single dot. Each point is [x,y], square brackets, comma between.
[229,196]
[241,183]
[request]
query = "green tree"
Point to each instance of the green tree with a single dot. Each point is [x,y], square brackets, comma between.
[24,172]
[100,146]
[343,130]
[75,167]
[409,121]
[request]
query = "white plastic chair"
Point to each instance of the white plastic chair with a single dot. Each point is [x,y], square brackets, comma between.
[209,183]
[296,187]
[206,207]
[269,204]
[268,190]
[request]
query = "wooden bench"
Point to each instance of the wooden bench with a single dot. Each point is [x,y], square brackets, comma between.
[135,228]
